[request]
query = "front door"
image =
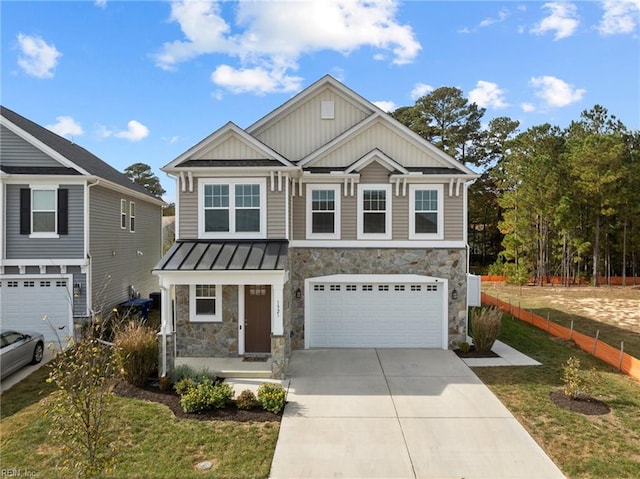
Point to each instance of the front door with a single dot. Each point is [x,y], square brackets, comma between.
[257,318]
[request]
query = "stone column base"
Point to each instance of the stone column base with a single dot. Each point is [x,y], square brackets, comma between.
[279,359]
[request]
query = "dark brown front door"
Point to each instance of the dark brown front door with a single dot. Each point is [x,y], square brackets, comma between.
[257,319]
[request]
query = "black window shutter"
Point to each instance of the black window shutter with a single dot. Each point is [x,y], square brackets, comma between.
[25,211]
[63,212]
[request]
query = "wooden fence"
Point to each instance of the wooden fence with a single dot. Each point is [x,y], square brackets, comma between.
[610,355]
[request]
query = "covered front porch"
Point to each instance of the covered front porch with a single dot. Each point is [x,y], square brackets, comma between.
[222,302]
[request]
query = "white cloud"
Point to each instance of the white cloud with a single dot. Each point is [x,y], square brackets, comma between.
[563,20]
[527,107]
[135,131]
[37,58]
[620,17]
[100,3]
[257,80]
[420,90]
[386,106]
[556,92]
[66,126]
[502,16]
[170,140]
[268,40]
[487,94]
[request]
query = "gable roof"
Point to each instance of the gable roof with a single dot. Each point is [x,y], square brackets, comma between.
[69,154]
[190,157]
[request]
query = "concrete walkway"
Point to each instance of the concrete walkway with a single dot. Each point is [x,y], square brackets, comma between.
[398,413]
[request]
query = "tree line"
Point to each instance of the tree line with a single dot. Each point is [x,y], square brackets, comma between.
[549,201]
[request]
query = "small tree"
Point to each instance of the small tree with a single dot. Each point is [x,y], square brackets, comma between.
[82,410]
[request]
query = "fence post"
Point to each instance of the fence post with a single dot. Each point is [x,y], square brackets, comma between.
[621,355]
[531,311]
[519,310]
[547,321]
[510,313]
[571,331]
[595,344]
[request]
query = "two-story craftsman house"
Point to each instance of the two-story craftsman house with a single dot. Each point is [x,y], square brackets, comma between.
[326,223]
[76,236]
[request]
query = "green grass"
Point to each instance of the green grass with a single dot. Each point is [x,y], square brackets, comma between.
[153,443]
[582,446]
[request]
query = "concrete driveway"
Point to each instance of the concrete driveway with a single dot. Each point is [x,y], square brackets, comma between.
[398,413]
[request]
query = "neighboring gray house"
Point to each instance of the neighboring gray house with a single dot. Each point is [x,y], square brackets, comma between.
[77,235]
[326,223]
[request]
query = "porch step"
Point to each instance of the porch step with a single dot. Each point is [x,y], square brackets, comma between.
[244,374]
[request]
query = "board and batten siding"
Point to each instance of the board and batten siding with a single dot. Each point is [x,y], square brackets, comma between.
[120,258]
[231,148]
[69,246]
[383,136]
[302,130]
[15,151]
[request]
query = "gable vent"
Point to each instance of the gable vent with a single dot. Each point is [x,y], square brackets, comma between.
[327,110]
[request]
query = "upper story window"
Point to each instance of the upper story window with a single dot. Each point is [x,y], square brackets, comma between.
[323,211]
[232,207]
[132,217]
[426,212]
[123,214]
[44,211]
[374,211]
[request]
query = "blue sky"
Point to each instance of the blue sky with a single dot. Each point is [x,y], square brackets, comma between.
[143,81]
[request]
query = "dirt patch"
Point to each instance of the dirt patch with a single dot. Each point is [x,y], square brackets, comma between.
[172,401]
[472,353]
[582,404]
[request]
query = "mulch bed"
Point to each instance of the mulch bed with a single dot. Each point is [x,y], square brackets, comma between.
[582,404]
[171,399]
[472,353]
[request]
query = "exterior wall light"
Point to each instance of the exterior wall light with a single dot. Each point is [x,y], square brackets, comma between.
[298,293]
[454,294]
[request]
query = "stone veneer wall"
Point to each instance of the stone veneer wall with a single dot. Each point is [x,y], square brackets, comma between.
[207,339]
[442,263]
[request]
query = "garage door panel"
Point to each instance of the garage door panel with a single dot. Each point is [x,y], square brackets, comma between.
[375,315]
[25,302]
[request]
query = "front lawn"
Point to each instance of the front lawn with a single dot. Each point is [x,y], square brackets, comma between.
[582,446]
[154,443]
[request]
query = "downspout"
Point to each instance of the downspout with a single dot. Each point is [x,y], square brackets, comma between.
[89,303]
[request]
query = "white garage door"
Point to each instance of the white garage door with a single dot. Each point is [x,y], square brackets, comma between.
[25,301]
[390,314]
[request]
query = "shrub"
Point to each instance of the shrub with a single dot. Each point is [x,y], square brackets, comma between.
[485,327]
[138,347]
[185,371]
[271,397]
[575,381]
[464,347]
[206,395]
[183,385]
[247,400]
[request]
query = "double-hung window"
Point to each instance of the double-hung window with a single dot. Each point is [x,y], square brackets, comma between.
[426,212]
[374,211]
[123,214]
[232,208]
[204,302]
[132,217]
[323,211]
[44,211]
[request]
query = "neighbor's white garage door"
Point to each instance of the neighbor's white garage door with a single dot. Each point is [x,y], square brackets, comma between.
[24,302]
[380,315]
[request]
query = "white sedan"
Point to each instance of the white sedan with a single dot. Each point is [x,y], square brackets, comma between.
[19,349]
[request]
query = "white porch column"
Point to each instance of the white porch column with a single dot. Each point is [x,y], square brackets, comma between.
[277,305]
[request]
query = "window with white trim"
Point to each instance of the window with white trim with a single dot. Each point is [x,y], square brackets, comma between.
[132,217]
[323,211]
[232,208]
[43,210]
[426,212]
[204,304]
[374,211]
[123,214]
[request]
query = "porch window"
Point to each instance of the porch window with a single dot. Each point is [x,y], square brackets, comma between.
[204,303]
[232,208]
[323,211]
